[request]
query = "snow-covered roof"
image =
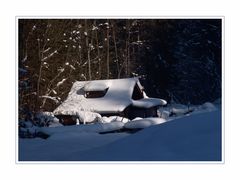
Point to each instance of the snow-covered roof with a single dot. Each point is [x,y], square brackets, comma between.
[118,96]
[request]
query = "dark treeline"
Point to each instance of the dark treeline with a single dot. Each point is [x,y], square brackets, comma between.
[177,59]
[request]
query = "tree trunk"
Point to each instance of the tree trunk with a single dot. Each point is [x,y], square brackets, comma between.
[127,49]
[39,77]
[108,66]
[98,52]
[88,51]
[116,51]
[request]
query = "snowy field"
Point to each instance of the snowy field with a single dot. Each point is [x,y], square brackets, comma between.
[182,137]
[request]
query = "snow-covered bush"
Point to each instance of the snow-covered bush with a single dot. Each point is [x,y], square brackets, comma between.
[30,132]
[26,129]
[81,116]
[44,119]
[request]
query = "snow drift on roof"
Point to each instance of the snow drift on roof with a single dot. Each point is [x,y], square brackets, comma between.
[96,86]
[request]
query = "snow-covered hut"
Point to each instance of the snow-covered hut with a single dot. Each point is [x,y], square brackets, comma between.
[121,97]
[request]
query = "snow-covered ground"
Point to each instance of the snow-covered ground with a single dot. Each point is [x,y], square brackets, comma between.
[63,144]
[192,138]
[182,137]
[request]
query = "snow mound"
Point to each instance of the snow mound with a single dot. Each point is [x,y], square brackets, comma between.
[98,128]
[163,113]
[180,109]
[209,106]
[143,123]
[137,118]
[113,119]
[175,111]
[87,116]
